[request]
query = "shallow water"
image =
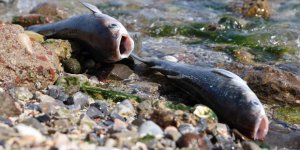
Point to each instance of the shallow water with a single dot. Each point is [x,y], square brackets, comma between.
[274,40]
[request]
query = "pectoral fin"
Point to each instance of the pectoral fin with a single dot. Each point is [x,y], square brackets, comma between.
[91,7]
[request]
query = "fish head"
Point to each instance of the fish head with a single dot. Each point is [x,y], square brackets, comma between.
[252,120]
[115,40]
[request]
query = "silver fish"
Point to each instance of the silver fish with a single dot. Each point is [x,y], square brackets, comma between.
[106,37]
[224,92]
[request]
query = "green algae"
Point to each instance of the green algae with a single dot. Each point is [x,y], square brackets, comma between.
[288,114]
[265,45]
[178,106]
[99,93]
[71,84]
[147,139]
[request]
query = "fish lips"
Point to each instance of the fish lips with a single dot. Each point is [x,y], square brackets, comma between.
[261,128]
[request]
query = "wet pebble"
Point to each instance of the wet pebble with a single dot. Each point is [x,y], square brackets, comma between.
[191,140]
[119,125]
[57,92]
[150,128]
[120,72]
[5,121]
[43,118]
[62,125]
[125,110]
[8,106]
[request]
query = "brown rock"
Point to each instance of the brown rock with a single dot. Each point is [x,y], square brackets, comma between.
[24,62]
[163,118]
[120,72]
[49,9]
[191,140]
[252,8]
[9,107]
[32,19]
[269,83]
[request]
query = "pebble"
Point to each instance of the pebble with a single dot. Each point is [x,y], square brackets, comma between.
[22,93]
[62,125]
[5,121]
[139,146]
[125,110]
[43,118]
[35,123]
[80,99]
[120,72]
[172,133]
[248,145]
[150,128]
[98,109]
[170,58]
[57,92]
[30,133]
[186,128]
[223,130]
[8,106]
[119,125]
[191,140]
[48,104]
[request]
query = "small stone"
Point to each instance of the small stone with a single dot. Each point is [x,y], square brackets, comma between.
[80,99]
[163,118]
[110,143]
[150,128]
[22,93]
[49,9]
[204,112]
[120,72]
[5,121]
[48,104]
[145,109]
[170,58]
[139,146]
[172,133]
[9,107]
[61,141]
[62,125]
[32,122]
[86,123]
[223,130]
[98,109]
[43,118]
[119,125]
[248,145]
[30,133]
[191,140]
[57,92]
[186,128]
[125,110]
[72,65]
[6,133]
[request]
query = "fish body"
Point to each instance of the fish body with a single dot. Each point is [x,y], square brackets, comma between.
[106,37]
[224,92]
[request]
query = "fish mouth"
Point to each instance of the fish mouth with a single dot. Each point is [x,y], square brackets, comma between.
[125,47]
[261,129]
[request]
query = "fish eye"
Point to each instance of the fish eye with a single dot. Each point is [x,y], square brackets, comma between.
[113,26]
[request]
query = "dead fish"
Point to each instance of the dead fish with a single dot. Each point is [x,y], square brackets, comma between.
[106,37]
[224,92]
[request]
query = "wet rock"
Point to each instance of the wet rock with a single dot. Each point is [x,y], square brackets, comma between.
[80,99]
[24,62]
[119,125]
[191,140]
[252,8]
[186,128]
[35,123]
[9,107]
[120,72]
[35,36]
[125,110]
[32,135]
[22,93]
[98,109]
[223,130]
[150,128]
[290,67]
[49,9]
[243,56]
[62,48]
[269,83]
[72,65]
[248,145]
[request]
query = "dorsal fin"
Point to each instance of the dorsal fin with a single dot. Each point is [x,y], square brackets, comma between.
[91,7]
